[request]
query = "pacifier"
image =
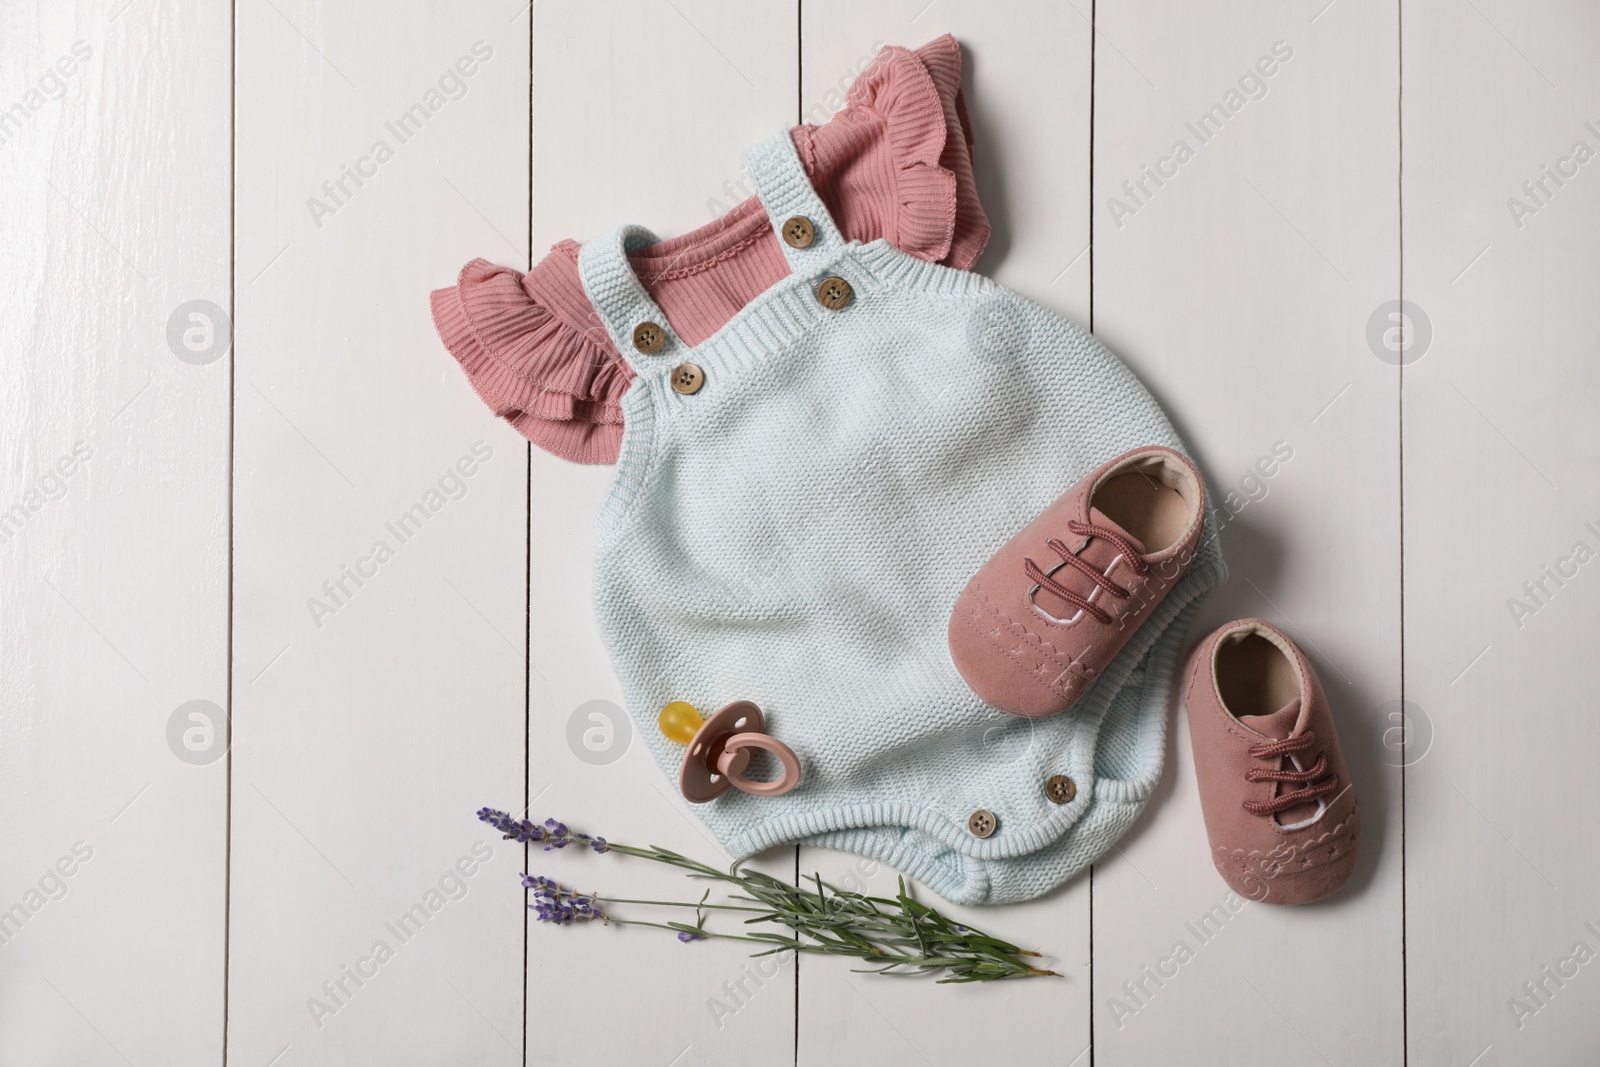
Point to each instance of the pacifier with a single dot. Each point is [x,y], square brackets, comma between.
[720,749]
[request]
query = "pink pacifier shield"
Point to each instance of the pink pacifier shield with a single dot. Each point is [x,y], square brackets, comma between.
[720,754]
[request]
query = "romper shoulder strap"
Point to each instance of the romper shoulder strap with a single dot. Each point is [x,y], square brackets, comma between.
[625,310]
[806,231]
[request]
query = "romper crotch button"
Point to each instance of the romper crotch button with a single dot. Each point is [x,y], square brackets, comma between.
[798,232]
[687,379]
[834,293]
[649,338]
[1060,789]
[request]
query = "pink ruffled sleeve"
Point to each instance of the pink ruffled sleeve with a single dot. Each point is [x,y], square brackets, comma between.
[534,351]
[896,163]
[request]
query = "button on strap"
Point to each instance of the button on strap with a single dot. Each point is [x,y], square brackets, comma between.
[648,338]
[807,235]
[636,326]
[798,232]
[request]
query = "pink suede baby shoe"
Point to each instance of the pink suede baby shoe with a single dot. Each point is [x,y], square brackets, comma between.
[1274,789]
[1055,604]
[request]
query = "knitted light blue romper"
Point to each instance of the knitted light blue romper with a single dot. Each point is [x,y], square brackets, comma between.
[795,533]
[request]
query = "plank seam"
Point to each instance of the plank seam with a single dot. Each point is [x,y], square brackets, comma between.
[233,404]
[1093,31]
[1400,416]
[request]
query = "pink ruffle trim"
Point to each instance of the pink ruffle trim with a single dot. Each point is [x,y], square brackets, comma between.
[557,378]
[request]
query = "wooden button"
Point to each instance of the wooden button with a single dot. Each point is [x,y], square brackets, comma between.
[982,822]
[687,379]
[1060,789]
[648,338]
[833,293]
[798,232]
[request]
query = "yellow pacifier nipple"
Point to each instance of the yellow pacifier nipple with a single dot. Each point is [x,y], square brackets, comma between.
[680,721]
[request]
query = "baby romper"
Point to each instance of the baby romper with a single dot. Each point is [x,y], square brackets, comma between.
[795,530]
[798,500]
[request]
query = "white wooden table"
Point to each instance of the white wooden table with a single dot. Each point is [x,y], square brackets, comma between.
[176,497]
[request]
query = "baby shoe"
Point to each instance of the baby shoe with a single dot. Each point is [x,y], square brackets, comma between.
[1274,788]
[1044,616]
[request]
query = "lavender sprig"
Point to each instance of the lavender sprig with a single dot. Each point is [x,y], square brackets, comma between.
[554,902]
[893,935]
[552,834]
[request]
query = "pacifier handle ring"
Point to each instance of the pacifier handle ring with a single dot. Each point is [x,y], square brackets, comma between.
[738,743]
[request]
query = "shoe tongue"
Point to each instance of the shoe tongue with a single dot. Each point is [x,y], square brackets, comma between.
[1099,518]
[1098,553]
[1279,724]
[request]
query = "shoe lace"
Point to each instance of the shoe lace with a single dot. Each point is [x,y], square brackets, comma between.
[1071,559]
[1317,782]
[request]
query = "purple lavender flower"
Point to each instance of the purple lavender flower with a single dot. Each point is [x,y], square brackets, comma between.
[555,903]
[686,937]
[512,828]
[554,833]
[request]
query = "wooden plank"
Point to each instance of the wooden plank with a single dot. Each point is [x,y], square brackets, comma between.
[1501,601]
[1239,285]
[113,533]
[372,917]
[1026,71]
[641,113]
